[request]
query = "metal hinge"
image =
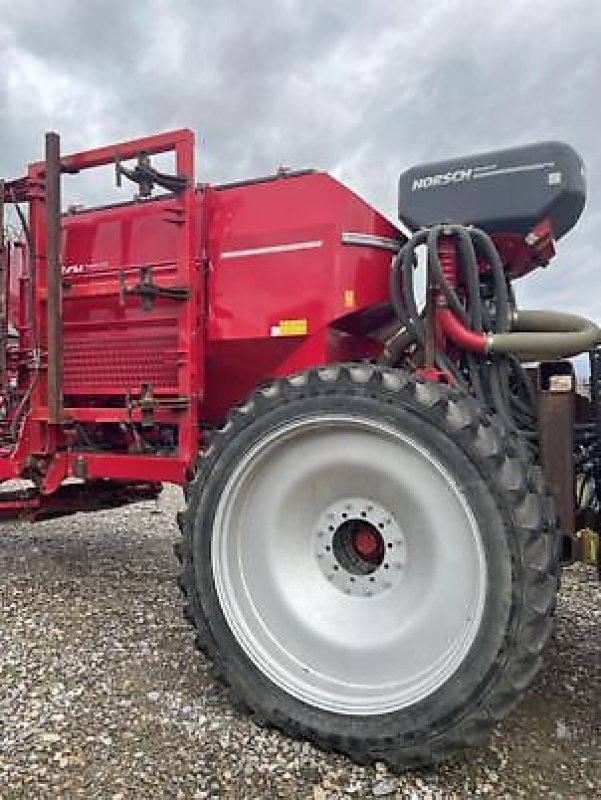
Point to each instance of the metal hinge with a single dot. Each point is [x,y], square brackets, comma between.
[148,291]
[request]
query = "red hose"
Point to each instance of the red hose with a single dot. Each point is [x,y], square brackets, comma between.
[458,333]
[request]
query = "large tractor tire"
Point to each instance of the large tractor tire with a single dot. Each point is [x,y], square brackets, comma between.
[371,563]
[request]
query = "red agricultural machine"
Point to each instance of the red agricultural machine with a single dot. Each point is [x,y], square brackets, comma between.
[370,552]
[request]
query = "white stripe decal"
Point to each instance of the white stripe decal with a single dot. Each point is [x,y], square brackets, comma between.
[510,170]
[276,248]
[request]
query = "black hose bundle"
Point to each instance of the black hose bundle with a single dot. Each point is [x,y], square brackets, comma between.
[484,305]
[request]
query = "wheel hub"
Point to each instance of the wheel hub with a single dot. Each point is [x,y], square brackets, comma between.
[359,547]
[367,543]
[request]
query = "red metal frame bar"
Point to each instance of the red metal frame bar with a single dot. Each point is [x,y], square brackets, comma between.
[178,140]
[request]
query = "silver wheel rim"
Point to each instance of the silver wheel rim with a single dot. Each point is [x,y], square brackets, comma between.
[331,642]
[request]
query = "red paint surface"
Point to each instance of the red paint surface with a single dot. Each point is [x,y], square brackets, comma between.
[201,355]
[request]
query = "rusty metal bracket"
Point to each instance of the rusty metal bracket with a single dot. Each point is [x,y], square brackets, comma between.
[556,384]
[54,320]
[148,291]
[146,176]
[146,403]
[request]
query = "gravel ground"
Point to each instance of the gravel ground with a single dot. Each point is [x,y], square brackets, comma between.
[104,696]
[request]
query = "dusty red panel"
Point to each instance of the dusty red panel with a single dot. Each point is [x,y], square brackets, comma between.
[120,362]
[277,255]
[112,345]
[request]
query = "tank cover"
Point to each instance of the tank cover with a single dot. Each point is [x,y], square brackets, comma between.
[504,191]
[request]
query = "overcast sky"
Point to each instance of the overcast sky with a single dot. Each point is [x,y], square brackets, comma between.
[361,89]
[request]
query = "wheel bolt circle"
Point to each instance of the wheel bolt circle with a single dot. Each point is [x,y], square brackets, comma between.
[351,538]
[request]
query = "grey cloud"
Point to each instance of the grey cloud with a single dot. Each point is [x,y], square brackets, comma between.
[362,89]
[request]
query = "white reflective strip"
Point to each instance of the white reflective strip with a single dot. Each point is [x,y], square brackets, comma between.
[510,170]
[276,248]
[369,240]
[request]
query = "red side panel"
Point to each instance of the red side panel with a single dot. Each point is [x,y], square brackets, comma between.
[112,345]
[282,279]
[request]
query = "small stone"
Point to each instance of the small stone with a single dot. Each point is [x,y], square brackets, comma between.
[383,788]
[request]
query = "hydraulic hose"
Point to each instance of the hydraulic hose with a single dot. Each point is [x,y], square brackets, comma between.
[490,252]
[434,261]
[463,337]
[395,345]
[475,312]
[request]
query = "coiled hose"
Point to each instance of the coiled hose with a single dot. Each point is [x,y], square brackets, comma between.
[495,337]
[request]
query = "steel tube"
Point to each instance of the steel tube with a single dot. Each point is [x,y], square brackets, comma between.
[546,334]
[54,338]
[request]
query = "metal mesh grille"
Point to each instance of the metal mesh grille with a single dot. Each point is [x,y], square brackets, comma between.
[116,364]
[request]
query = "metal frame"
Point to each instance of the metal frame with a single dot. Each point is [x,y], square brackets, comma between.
[43,450]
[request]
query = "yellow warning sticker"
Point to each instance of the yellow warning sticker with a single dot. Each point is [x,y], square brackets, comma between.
[289,327]
[349,298]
